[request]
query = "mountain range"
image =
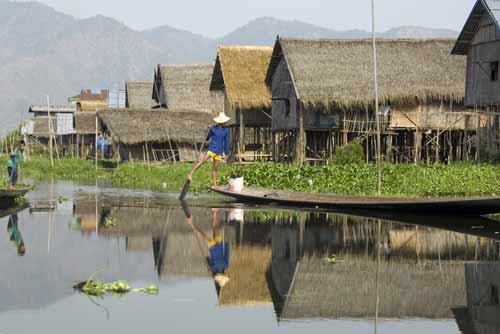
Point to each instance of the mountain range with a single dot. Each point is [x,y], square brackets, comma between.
[45,52]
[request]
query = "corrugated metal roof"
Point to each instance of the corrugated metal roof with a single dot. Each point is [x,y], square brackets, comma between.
[490,7]
[53,109]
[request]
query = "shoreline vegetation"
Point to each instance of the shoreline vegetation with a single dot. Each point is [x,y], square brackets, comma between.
[403,180]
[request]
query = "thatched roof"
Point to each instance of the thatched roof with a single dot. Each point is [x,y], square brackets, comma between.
[187,87]
[134,126]
[85,122]
[139,94]
[240,71]
[339,73]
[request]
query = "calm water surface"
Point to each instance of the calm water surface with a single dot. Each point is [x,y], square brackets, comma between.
[435,274]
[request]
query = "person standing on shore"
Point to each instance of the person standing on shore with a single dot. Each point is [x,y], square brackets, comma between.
[15,158]
[218,148]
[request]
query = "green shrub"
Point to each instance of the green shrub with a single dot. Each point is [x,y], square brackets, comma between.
[351,153]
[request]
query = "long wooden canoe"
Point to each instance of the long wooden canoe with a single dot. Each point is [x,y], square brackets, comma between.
[14,193]
[455,206]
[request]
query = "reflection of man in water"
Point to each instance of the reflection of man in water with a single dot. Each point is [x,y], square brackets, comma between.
[218,260]
[15,235]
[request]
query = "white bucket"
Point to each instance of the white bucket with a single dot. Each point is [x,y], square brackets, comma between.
[236,184]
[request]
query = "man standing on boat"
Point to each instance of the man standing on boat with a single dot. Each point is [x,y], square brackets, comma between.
[15,158]
[218,148]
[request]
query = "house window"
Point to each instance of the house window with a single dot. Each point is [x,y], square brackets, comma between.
[494,71]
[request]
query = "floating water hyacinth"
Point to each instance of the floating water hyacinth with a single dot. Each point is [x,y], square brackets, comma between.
[96,288]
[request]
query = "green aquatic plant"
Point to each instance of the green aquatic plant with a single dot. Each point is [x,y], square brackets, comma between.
[20,200]
[109,222]
[92,287]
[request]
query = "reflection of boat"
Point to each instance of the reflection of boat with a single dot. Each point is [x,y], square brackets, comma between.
[464,206]
[11,211]
[8,196]
[482,285]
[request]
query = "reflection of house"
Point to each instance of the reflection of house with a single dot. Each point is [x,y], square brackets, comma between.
[88,215]
[156,134]
[322,91]
[248,279]
[186,87]
[139,244]
[481,316]
[138,94]
[304,286]
[239,77]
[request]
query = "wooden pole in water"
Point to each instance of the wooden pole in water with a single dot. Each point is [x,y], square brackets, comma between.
[50,133]
[377,116]
[96,135]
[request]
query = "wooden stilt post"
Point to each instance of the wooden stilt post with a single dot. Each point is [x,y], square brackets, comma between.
[300,146]
[478,137]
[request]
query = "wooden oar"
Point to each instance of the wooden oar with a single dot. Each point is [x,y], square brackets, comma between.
[185,190]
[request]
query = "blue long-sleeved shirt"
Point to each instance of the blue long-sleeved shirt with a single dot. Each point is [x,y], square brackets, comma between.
[219,140]
[219,257]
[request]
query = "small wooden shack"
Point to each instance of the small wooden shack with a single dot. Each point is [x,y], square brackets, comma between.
[156,134]
[61,120]
[138,94]
[186,87]
[323,93]
[479,41]
[86,126]
[239,78]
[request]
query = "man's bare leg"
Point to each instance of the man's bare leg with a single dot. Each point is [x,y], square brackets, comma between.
[203,160]
[215,167]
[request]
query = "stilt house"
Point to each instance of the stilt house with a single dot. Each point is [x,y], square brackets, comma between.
[155,135]
[239,79]
[186,87]
[323,93]
[138,94]
[479,41]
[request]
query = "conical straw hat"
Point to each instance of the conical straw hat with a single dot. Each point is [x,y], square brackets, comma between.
[221,118]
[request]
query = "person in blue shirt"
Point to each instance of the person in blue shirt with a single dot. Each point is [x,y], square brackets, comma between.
[217,149]
[15,158]
[218,249]
[15,235]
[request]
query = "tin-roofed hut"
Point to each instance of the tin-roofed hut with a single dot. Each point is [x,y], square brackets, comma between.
[323,96]
[158,134]
[138,94]
[239,77]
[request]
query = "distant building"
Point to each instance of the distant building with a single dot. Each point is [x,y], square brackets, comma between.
[61,117]
[239,79]
[156,134]
[186,87]
[91,100]
[138,94]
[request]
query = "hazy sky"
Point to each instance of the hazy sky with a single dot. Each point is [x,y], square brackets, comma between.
[218,17]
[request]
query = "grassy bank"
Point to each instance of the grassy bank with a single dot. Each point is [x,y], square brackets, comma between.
[462,179]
